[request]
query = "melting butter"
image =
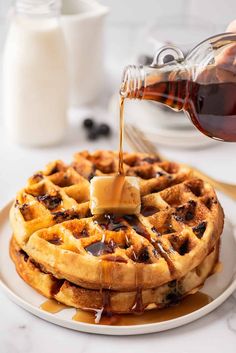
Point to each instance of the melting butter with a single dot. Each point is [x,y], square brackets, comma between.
[115,194]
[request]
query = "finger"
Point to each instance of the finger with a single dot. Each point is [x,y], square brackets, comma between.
[231,27]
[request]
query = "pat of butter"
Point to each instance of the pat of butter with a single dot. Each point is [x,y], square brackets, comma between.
[115,194]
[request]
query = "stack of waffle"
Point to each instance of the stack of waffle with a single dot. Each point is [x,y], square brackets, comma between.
[118,264]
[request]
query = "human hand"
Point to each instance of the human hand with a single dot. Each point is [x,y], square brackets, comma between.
[231,27]
[226,60]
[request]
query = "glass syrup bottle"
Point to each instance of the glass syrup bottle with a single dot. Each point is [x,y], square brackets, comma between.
[203,84]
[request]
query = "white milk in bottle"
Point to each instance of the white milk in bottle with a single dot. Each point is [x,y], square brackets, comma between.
[35,80]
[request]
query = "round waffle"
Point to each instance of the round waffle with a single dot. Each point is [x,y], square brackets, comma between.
[113,301]
[180,223]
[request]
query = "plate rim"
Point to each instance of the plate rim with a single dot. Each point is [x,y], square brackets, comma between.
[116,330]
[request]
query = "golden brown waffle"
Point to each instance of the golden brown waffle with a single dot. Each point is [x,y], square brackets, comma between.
[180,223]
[112,301]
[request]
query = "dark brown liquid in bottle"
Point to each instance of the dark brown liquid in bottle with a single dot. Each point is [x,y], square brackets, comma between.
[211,106]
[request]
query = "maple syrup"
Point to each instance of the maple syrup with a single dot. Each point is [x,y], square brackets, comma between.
[101,248]
[138,307]
[52,306]
[203,84]
[137,226]
[211,106]
[111,222]
[115,194]
[186,306]
[147,211]
[121,162]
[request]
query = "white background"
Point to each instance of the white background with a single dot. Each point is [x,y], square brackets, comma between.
[127,18]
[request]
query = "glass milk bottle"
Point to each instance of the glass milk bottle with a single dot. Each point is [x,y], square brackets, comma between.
[35,82]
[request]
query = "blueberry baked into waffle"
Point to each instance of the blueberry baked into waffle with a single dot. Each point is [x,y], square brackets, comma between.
[116,263]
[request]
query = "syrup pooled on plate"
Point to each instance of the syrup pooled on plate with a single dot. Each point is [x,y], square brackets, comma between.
[52,306]
[186,306]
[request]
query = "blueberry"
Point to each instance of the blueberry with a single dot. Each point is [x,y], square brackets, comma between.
[104,129]
[88,123]
[93,134]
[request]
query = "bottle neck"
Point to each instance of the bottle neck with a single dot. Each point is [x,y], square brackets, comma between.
[39,8]
[167,84]
[133,82]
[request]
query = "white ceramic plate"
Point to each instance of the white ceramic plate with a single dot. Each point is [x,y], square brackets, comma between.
[219,287]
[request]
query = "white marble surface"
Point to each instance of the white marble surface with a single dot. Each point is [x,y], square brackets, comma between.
[21,332]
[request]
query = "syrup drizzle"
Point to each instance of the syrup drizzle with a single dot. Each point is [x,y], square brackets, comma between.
[165,255]
[131,219]
[106,301]
[101,248]
[137,226]
[111,222]
[138,307]
[119,182]
[147,211]
[121,164]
